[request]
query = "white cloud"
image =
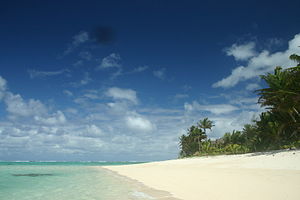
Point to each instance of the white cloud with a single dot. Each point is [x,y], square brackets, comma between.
[97,130]
[241,52]
[111,61]
[252,86]
[91,96]
[122,94]
[137,123]
[223,121]
[3,87]
[13,131]
[71,110]
[92,131]
[68,93]
[236,76]
[260,64]
[139,69]
[40,74]
[243,100]
[55,119]
[2,84]
[161,73]
[78,39]
[119,108]
[17,106]
[215,109]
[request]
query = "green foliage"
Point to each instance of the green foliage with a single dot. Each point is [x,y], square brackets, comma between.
[191,143]
[282,98]
[205,124]
[235,149]
[277,128]
[236,137]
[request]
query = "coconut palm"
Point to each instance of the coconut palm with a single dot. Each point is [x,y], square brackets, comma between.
[205,124]
[282,98]
[198,135]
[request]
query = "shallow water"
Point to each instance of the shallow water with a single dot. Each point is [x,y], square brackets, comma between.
[63,181]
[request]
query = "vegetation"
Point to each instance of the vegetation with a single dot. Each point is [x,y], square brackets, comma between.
[277,128]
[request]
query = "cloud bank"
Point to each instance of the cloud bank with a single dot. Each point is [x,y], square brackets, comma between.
[257,64]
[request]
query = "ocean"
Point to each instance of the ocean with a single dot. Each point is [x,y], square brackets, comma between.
[64,181]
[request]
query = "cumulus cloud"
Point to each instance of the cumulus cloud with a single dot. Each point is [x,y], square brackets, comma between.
[97,128]
[241,52]
[137,123]
[17,106]
[161,73]
[260,64]
[55,119]
[92,131]
[122,94]
[215,109]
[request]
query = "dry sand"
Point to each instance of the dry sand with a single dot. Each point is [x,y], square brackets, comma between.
[257,176]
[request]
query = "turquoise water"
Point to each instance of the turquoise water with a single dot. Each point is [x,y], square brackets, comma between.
[62,181]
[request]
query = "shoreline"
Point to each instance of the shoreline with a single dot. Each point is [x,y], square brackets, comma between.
[140,189]
[267,175]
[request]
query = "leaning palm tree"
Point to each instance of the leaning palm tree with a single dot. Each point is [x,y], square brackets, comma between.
[205,124]
[282,98]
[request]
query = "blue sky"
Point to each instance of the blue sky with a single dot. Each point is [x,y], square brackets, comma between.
[122,80]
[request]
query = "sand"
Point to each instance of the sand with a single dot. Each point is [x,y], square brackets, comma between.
[257,176]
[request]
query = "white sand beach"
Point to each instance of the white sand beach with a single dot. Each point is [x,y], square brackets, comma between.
[256,176]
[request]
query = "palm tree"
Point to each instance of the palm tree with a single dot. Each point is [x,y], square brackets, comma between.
[198,135]
[205,124]
[282,98]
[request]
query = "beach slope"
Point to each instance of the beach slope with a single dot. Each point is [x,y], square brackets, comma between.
[260,176]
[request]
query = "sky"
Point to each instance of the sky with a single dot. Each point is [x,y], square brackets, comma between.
[123,80]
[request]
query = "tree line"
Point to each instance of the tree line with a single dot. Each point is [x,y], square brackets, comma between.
[276,128]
